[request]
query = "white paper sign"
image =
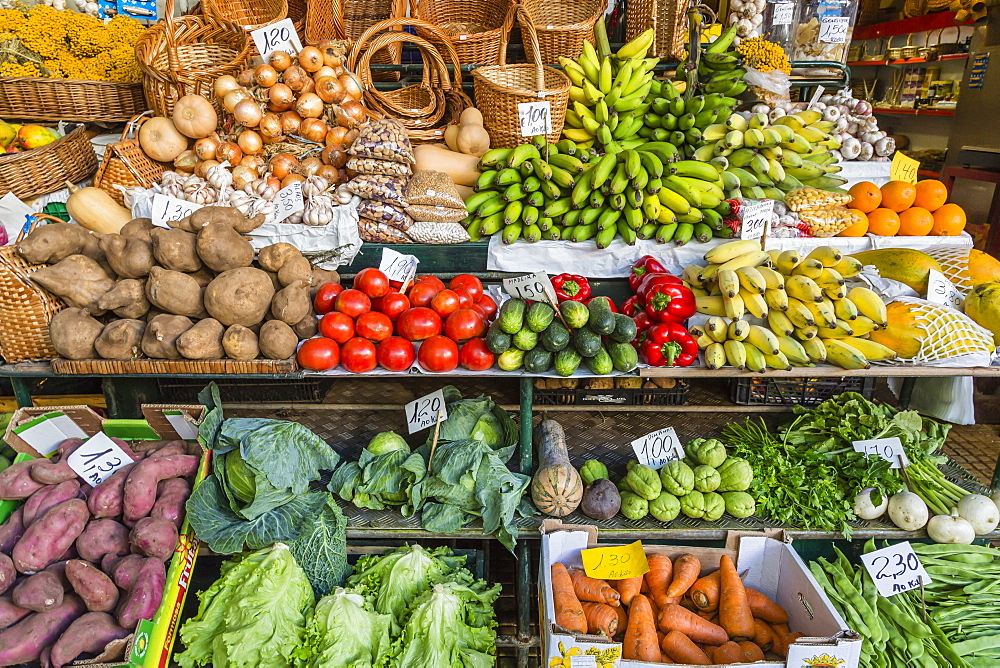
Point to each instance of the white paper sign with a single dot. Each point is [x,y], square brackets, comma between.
[167,209]
[942,291]
[423,412]
[833,29]
[97,459]
[46,432]
[535,287]
[816,96]
[805,654]
[895,569]
[396,266]
[288,201]
[535,118]
[279,36]
[782,15]
[889,449]
[756,218]
[658,448]
[583,661]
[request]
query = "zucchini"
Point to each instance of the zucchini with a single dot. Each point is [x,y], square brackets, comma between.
[586,342]
[574,314]
[625,329]
[555,337]
[602,318]
[511,316]
[539,316]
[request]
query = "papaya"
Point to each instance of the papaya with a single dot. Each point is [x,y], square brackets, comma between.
[907,332]
[983,306]
[7,134]
[966,267]
[905,265]
[983,268]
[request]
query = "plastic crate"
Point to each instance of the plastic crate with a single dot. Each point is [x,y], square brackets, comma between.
[675,396]
[764,391]
[242,390]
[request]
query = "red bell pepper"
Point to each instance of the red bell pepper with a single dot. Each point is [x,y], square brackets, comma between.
[611,304]
[647,264]
[668,344]
[570,287]
[642,325]
[670,303]
[650,280]
[631,306]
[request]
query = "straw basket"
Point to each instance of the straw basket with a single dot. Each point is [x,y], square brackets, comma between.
[46,169]
[250,14]
[349,19]
[474,28]
[667,18]
[186,54]
[500,88]
[126,164]
[25,308]
[77,100]
[562,25]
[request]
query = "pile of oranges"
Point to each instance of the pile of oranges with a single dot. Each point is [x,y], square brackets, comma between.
[904,209]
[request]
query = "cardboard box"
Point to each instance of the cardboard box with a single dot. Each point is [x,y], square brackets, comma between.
[771,564]
[153,640]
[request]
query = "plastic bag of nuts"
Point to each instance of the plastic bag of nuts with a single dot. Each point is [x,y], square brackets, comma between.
[385,213]
[379,186]
[383,140]
[376,166]
[428,187]
[436,214]
[437,233]
[828,221]
[375,232]
[811,198]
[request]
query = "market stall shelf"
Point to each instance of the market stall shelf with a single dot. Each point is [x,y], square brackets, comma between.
[100,367]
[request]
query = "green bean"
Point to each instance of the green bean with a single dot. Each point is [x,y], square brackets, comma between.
[850,593]
[951,548]
[977,644]
[902,620]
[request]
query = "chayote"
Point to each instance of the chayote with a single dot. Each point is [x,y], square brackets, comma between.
[739,504]
[736,474]
[644,481]
[665,507]
[593,470]
[634,507]
[715,506]
[677,478]
[710,452]
[693,504]
[706,479]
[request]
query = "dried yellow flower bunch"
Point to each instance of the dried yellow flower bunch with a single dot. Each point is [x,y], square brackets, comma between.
[763,56]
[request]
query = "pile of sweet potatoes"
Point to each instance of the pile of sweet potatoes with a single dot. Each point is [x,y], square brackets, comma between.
[189,292]
[81,565]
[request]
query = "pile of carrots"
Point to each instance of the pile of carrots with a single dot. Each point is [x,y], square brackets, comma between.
[674,615]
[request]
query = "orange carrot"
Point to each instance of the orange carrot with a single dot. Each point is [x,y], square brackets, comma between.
[734,611]
[601,618]
[675,618]
[592,589]
[751,652]
[704,614]
[762,635]
[664,658]
[640,636]
[628,588]
[779,629]
[680,648]
[644,589]
[656,608]
[622,619]
[569,612]
[780,647]
[705,592]
[687,568]
[764,608]
[727,654]
[661,572]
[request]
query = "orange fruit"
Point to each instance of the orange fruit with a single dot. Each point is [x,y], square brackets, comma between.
[949,221]
[898,195]
[867,197]
[931,194]
[915,222]
[859,228]
[883,222]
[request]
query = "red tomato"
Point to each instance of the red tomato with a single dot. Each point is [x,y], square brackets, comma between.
[396,354]
[319,354]
[359,355]
[353,303]
[421,294]
[374,326]
[475,356]
[432,280]
[437,354]
[479,309]
[469,283]
[445,303]
[392,304]
[337,326]
[464,324]
[465,298]
[417,324]
[488,305]
[325,296]
[372,282]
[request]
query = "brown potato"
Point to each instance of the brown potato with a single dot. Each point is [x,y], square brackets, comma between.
[175,292]
[225,214]
[159,341]
[277,340]
[239,297]
[308,326]
[176,250]
[272,258]
[78,280]
[127,299]
[138,228]
[129,257]
[321,277]
[295,270]
[121,340]
[222,248]
[203,276]
[203,341]
[291,303]
[74,334]
[240,343]
[49,244]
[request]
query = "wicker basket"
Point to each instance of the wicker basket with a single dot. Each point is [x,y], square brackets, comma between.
[47,169]
[25,308]
[349,19]
[77,100]
[494,19]
[186,54]
[562,25]
[126,164]
[667,18]
[250,14]
[500,88]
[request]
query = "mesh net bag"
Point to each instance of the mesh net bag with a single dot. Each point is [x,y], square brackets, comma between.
[950,338]
[954,265]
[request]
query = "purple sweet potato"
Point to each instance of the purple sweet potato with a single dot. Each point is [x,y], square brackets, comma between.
[58,569]
[12,530]
[143,598]
[126,570]
[102,537]
[10,613]
[55,469]
[16,482]
[48,496]
[154,537]
[96,589]
[140,488]
[171,495]
[7,573]
[171,448]
[105,499]
[109,561]
[88,634]
[40,592]
[23,642]
[50,536]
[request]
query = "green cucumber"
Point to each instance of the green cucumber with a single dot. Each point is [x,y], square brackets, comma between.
[537,360]
[511,360]
[586,342]
[539,316]
[574,314]
[624,356]
[497,340]
[567,362]
[602,318]
[525,339]
[555,337]
[511,316]
[601,363]
[625,329]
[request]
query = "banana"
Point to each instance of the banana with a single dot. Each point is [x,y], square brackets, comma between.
[863,326]
[823,315]
[637,46]
[773,280]
[751,279]
[809,268]
[776,299]
[737,330]
[511,233]
[716,327]
[763,339]
[755,303]
[693,196]
[799,314]
[778,361]
[694,169]
[836,294]
[710,305]
[755,359]
[793,351]
[752,259]
[845,309]
[787,261]
[673,201]
[803,288]
[841,331]
[741,157]
[844,355]
[828,255]
[733,307]
[829,278]
[815,349]
[779,323]
[848,267]
[872,351]
[730,251]
[806,333]
[811,135]
[715,356]
[737,122]
[747,179]
[796,144]
[736,354]
[807,170]
[729,284]
[869,305]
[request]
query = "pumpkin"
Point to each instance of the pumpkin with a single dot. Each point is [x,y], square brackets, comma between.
[472,138]
[94,209]
[160,140]
[194,117]
[556,487]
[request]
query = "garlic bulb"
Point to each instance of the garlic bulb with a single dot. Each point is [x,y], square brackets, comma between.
[259,205]
[220,178]
[261,188]
[294,219]
[342,195]
[314,185]
[200,193]
[168,177]
[174,190]
[318,210]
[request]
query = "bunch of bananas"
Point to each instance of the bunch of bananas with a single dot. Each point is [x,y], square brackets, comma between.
[806,314]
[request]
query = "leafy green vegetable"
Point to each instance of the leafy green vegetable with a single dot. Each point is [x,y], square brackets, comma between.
[345,631]
[478,419]
[382,476]
[321,548]
[386,442]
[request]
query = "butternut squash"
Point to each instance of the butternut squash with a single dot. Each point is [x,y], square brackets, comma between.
[556,487]
[94,209]
[463,169]
[160,140]
[471,137]
[451,137]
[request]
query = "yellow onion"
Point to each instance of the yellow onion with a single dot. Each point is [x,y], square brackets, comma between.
[249,142]
[245,78]
[309,105]
[282,164]
[229,151]
[328,172]
[290,123]
[330,90]
[295,77]
[310,59]
[331,52]
[186,161]
[270,126]
[334,155]
[242,175]
[224,84]
[205,148]
[265,76]
[290,179]
[310,166]
[233,98]
[248,113]
[350,113]
[313,129]
[352,86]
[201,169]
[254,162]
[279,60]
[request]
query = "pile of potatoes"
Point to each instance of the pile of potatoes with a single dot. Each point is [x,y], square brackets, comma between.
[80,566]
[188,292]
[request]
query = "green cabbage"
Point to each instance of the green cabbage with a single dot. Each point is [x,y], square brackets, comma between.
[386,442]
[321,549]
[240,477]
[345,631]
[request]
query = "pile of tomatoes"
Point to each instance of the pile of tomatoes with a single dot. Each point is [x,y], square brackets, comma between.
[373,324]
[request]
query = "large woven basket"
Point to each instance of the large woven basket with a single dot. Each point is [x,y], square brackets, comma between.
[186,54]
[474,28]
[667,18]
[77,100]
[25,308]
[500,88]
[349,19]
[562,25]
[126,164]
[249,14]
[46,169]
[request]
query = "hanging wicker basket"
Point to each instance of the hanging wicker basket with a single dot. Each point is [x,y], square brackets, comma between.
[126,164]
[474,28]
[563,25]
[349,19]
[667,18]
[249,14]
[46,169]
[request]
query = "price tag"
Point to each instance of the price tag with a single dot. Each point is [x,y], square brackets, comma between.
[816,96]
[782,13]
[658,448]
[278,36]
[535,118]
[288,201]
[535,287]
[903,168]
[833,29]
[889,449]
[167,209]
[396,266]
[618,562]
[97,459]
[895,569]
[756,218]
[942,291]
[423,412]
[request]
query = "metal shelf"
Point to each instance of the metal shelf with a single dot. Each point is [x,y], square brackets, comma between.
[924,23]
[908,61]
[914,112]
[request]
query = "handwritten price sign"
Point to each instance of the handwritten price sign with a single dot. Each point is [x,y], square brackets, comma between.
[534,287]
[168,209]
[658,448]
[889,449]
[756,218]
[535,118]
[942,291]
[617,562]
[903,168]
[895,569]
[97,459]
[397,266]
[280,36]
[833,29]
[783,13]
[423,412]
[288,201]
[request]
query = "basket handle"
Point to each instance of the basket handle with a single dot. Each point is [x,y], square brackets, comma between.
[958,33]
[525,21]
[173,62]
[35,219]
[134,123]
